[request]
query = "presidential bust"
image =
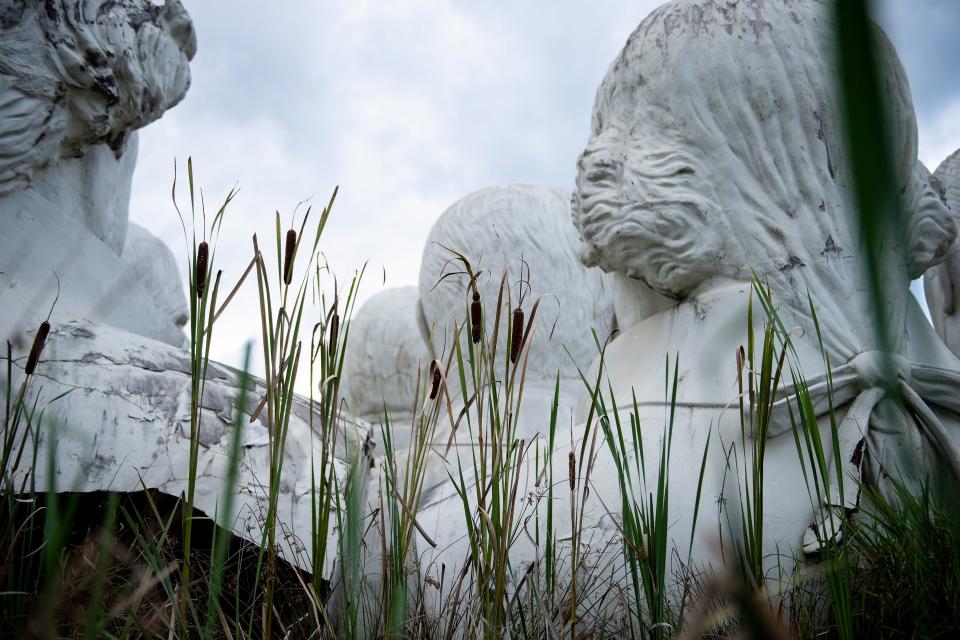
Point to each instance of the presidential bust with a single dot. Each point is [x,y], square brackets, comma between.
[715,154]
[77,79]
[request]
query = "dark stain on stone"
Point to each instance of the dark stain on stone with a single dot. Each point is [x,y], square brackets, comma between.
[831,248]
[794,262]
[700,309]
[108,87]
[857,456]
[821,136]
[81,333]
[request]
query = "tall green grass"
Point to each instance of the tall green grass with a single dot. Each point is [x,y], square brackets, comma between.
[646,521]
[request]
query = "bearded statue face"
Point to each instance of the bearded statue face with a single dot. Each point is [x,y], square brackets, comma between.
[77,73]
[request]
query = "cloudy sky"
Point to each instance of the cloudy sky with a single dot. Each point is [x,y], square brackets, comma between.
[411,105]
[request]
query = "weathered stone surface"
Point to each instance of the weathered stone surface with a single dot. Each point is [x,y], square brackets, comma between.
[153,267]
[942,283]
[117,408]
[384,354]
[79,74]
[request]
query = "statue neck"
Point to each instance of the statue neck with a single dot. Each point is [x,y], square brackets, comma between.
[94,188]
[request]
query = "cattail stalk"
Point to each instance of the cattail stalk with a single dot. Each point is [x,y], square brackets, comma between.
[38,341]
[572,471]
[288,256]
[516,335]
[435,383]
[203,254]
[475,316]
[334,330]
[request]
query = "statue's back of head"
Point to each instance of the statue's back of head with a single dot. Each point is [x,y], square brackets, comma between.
[716,150]
[75,73]
[386,357]
[525,232]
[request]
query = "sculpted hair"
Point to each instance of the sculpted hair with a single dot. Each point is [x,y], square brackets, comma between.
[74,73]
[946,181]
[721,120]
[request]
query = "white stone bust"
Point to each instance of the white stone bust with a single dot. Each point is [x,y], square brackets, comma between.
[942,282]
[497,228]
[77,78]
[76,81]
[384,353]
[716,153]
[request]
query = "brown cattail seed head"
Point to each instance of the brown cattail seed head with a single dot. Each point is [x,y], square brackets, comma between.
[435,382]
[516,335]
[334,330]
[38,342]
[288,256]
[476,327]
[203,254]
[572,470]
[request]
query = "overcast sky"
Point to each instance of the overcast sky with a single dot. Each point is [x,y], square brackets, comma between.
[409,106]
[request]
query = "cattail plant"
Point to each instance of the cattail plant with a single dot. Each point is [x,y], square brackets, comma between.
[203,302]
[334,331]
[493,515]
[516,335]
[476,316]
[435,379]
[19,415]
[328,351]
[280,337]
[38,341]
[516,326]
[288,255]
[203,257]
